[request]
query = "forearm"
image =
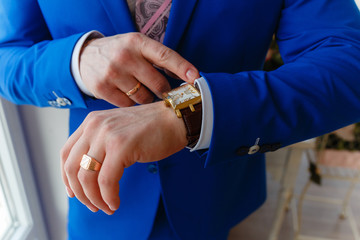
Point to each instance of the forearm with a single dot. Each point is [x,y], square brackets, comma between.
[314,95]
[33,66]
[32,74]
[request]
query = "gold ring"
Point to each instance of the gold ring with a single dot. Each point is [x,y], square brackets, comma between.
[89,163]
[134,90]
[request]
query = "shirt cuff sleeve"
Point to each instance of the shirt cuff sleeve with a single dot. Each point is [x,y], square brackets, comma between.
[207,116]
[75,71]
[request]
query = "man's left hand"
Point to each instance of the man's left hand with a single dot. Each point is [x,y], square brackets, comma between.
[118,138]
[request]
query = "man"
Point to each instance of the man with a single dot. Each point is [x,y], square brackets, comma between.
[49,52]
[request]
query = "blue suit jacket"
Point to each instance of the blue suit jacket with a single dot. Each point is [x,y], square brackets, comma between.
[205,193]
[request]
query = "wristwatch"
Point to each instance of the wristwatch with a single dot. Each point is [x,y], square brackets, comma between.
[186,102]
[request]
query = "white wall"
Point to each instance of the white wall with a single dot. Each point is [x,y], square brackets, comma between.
[45,132]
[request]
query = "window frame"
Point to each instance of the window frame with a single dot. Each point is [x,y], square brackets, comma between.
[22,197]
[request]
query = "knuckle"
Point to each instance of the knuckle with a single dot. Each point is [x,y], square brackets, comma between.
[91,115]
[83,178]
[69,169]
[105,181]
[164,54]
[93,119]
[124,54]
[124,57]
[63,154]
[134,38]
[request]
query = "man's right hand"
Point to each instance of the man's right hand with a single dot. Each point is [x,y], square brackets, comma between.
[112,66]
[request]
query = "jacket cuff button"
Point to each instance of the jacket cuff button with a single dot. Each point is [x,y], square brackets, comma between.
[254,149]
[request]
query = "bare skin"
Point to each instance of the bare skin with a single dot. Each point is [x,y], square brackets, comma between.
[112,66]
[118,138]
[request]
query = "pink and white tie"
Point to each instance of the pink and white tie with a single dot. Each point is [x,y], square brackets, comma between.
[152,16]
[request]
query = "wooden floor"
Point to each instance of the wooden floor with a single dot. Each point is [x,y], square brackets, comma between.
[319,219]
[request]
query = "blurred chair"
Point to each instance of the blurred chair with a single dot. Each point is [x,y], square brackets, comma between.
[336,156]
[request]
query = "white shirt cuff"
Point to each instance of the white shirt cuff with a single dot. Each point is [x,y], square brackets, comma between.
[207,121]
[75,71]
[207,105]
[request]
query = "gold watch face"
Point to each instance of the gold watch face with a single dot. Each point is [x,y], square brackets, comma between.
[183,96]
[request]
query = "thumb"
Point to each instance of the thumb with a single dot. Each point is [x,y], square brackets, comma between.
[192,74]
[168,59]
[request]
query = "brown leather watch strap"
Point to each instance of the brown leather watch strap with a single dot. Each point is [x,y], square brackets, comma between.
[192,122]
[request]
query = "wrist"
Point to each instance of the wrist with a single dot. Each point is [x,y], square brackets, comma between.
[174,123]
[87,43]
[75,60]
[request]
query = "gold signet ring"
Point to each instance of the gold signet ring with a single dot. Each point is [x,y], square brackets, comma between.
[134,90]
[89,163]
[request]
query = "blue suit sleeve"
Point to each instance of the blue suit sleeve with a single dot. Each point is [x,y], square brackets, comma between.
[314,92]
[34,68]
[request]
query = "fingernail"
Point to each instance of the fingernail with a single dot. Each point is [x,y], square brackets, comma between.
[68,192]
[93,209]
[191,74]
[112,208]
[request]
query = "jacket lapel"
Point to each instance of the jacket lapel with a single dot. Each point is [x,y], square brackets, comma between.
[119,15]
[180,14]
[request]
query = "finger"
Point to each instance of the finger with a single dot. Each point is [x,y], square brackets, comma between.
[64,153]
[152,78]
[109,177]
[170,74]
[166,58]
[72,167]
[141,96]
[63,174]
[88,180]
[116,97]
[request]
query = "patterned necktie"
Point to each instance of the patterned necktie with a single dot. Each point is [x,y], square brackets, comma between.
[151,17]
